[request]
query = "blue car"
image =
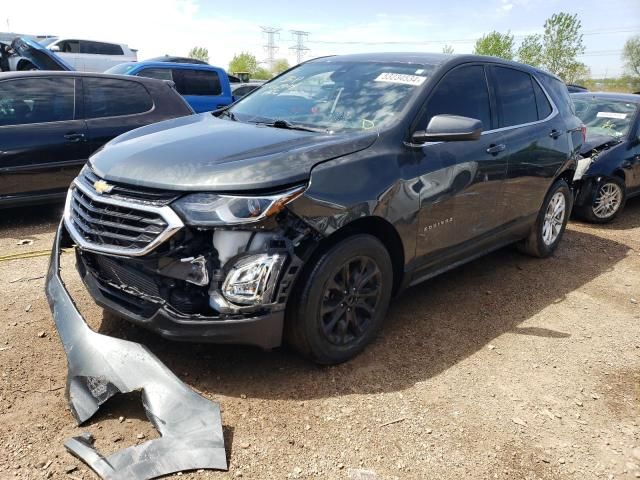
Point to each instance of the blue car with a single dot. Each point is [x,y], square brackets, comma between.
[204,87]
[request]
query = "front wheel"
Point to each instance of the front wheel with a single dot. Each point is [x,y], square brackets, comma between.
[551,222]
[607,203]
[342,300]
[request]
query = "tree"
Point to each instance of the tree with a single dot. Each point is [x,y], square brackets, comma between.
[447,49]
[562,43]
[199,53]
[495,44]
[262,74]
[244,62]
[530,50]
[631,55]
[280,65]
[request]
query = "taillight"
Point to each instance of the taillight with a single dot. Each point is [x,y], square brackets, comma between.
[583,129]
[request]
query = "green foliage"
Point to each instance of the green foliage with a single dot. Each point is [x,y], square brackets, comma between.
[244,62]
[262,74]
[495,44]
[562,43]
[624,84]
[631,55]
[280,65]
[199,53]
[447,49]
[530,50]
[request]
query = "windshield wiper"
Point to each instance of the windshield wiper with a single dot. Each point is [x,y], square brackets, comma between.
[292,126]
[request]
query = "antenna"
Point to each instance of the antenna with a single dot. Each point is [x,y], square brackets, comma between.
[271,48]
[299,47]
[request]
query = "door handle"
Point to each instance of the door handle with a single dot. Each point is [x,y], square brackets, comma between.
[555,133]
[74,137]
[495,149]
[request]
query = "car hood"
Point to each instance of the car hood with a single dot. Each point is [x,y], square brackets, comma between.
[597,141]
[41,57]
[205,153]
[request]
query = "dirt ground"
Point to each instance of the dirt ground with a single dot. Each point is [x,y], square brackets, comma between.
[507,368]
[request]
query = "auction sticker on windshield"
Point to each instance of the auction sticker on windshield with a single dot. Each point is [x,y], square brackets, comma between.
[619,116]
[402,78]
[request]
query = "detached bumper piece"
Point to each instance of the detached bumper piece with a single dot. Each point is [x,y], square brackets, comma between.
[101,366]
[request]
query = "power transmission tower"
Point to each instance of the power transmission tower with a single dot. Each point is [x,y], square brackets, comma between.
[271,48]
[299,47]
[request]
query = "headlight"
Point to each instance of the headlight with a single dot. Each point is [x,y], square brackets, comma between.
[210,209]
[252,279]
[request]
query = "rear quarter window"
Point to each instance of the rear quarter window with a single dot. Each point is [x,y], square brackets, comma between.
[115,98]
[559,94]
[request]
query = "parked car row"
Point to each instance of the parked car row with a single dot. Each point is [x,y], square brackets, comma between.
[203,86]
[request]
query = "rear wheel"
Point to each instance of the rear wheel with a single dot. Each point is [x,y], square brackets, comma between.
[550,223]
[342,300]
[607,203]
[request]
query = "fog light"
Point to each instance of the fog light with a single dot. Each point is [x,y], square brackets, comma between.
[252,279]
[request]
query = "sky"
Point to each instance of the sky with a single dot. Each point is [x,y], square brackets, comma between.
[335,26]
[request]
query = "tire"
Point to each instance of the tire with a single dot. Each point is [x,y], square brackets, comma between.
[323,323]
[593,212]
[541,241]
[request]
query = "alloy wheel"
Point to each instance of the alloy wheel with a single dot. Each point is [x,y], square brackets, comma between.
[608,201]
[554,218]
[350,298]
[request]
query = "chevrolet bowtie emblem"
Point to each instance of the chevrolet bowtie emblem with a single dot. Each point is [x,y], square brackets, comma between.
[102,187]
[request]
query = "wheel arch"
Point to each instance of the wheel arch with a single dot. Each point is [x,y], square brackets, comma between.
[379,228]
[23,64]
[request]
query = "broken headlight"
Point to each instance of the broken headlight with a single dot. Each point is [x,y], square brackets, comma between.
[252,279]
[211,210]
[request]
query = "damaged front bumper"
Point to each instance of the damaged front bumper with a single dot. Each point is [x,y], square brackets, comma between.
[101,366]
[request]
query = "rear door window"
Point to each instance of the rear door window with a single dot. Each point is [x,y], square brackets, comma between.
[114,98]
[516,97]
[37,100]
[197,82]
[464,92]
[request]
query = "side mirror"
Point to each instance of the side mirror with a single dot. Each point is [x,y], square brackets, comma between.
[449,128]
[54,48]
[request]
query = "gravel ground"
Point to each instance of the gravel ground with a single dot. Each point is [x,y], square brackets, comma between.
[508,368]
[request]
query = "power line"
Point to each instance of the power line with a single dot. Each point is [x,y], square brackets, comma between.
[299,47]
[456,40]
[271,48]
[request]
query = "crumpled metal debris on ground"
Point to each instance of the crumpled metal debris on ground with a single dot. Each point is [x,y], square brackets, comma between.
[101,366]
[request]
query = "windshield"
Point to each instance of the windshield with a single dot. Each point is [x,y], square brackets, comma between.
[604,116]
[47,41]
[121,69]
[336,96]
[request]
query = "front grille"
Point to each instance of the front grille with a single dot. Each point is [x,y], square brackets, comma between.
[153,195]
[117,226]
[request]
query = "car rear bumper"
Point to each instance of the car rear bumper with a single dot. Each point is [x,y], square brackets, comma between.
[264,331]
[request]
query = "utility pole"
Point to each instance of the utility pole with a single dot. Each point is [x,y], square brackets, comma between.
[271,48]
[299,47]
